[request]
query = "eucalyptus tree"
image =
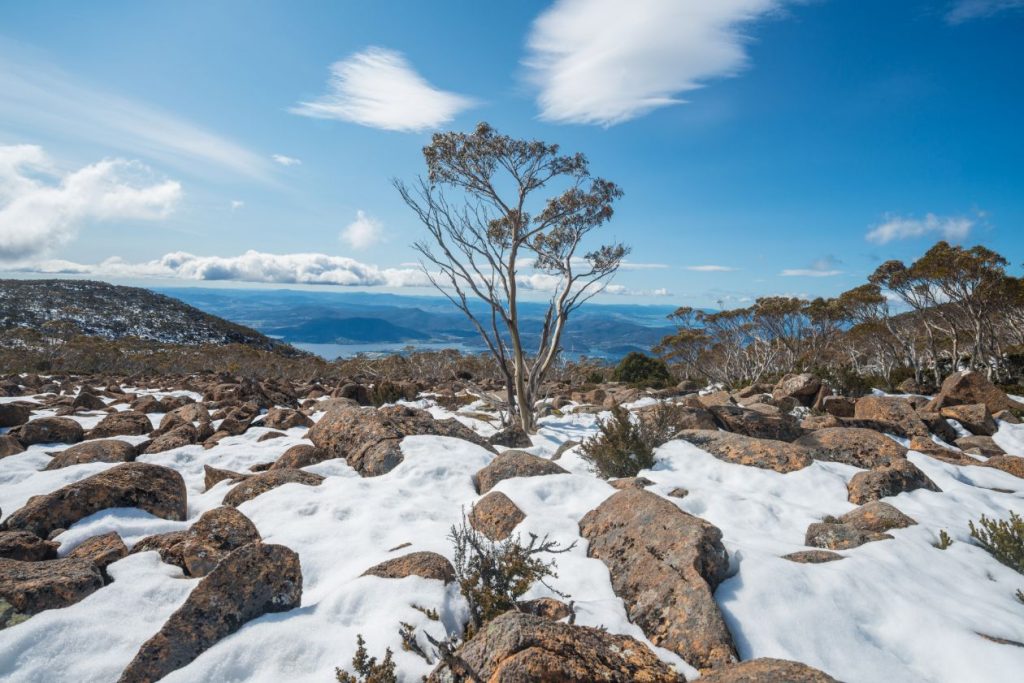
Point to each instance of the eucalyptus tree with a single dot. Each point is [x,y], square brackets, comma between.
[488,226]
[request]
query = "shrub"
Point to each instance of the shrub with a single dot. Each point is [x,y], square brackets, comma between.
[1003,538]
[494,575]
[944,540]
[623,447]
[636,368]
[367,669]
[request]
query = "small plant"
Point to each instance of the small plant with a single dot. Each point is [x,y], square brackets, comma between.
[1020,596]
[944,540]
[429,613]
[638,369]
[407,632]
[625,446]
[494,575]
[1003,538]
[366,668]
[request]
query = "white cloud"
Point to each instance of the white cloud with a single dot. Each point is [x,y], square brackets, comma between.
[952,228]
[37,97]
[285,160]
[965,10]
[379,88]
[237,204]
[711,269]
[608,61]
[362,233]
[41,209]
[826,266]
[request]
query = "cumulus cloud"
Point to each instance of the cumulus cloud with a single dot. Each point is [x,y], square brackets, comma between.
[826,266]
[362,233]
[952,228]
[41,208]
[607,61]
[379,88]
[285,160]
[711,269]
[965,10]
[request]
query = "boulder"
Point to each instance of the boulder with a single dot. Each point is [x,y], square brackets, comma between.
[512,436]
[10,446]
[156,489]
[803,387]
[972,387]
[214,475]
[979,445]
[127,423]
[168,545]
[839,536]
[521,648]
[147,404]
[300,455]
[286,418]
[369,439]
[270,435]
[757,424]
[88,401]
[938,426]
[103,450]
[14,415]
[890,480]
[840,406]
[49,430]
[630,483]
[192,412]
[858,447]
[262,482]
[665,565]
[31,587]
[766,670]
[549,608]
[102,551]
[1011,464]
[251,581]
[26,547]
[744,450]
[510,464]
[876,516]
[684,416]
[975,418]
[426,564]
[890,410]
[716,398]
[495,516]
[214,535]
[182,435]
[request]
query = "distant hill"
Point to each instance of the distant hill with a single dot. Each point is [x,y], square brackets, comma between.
[347,331]
[62,309]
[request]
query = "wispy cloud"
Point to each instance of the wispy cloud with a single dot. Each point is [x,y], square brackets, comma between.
[379,88]
[285,160]
[608,61]
[952,228]
[41,208]
[965,10]
[826,266]
[711,269]
[237,204]
[362,233]
[40,98]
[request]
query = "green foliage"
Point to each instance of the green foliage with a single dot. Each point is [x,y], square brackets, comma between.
[366,668]
[625,446]
[494,575]
[1003,538]
[636,368]
[944,540]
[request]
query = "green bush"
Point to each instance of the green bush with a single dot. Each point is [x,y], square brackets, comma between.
[636,368]
[366,668]
[1003,538]
[625,446]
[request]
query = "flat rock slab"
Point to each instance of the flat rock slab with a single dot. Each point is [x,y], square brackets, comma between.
[26,546]
[156,489]
[858,447]
[835,536]
[511,464]
[262,482]
[757,424]
[812,556]
[424,563]
[890,410]
[521,648]
[665,565]
[253,580]
[767,454]
[31,587]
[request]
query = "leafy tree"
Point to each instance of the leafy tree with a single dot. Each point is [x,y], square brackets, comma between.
[637,368]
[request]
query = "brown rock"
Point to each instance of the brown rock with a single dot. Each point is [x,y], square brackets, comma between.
[811,422]
[26,547]
[49,430]
[31,587]
[14,415]
[744,450]
[254,580]
[426,564]
[511,437]
[890,480]
[495,516]
[88,401]
[857,447]
[756,424]
[938,426]
[716,398]
[876,516]
[262,482]
[522,648]
[156,489]
[168,545]
[685,416]
[974,417]
[286,418]
[1006,416]
[1010,464]
[122,424]
[630,483]
[300,455]
[102,551]
[892,410]
[147,404]
[839,536]
[510,464]
[803,387]
[215,534]
[972,387]
[767,670]
[369,439]
[270,435]
[813,556]
[10,446]
[980,445]
[214,475]
[103,450]
[192,412]
[549,608]
[665,565]
[182,435]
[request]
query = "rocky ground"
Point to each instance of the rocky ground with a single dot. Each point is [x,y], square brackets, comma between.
[217,530]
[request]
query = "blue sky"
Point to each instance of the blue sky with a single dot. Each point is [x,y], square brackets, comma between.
[764,146]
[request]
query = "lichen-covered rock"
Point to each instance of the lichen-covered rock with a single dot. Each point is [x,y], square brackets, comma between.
[630,483]
[253,580]
[803,387]
[127,423]
[262,482]
[876,516]
[214,475]
[812,556]
[102,550]
[301,455]
[168,545]
[981,445]
[424,563]
[766,670]
[26,547]
[1011,464]
[182,435]
[49,430]
[510,437]
[890,480]
[967,387]
[744,450]
[495,516]
[665,565]
[839,536]
[975,418]
[215,534]
[510,464]
[31,587]
[14,415]
[890,413]
[285,418]
[103,450]
[522,648]
[839,406]
[369,439]
[10,446]
[756,423]
[858,447]
[156,489]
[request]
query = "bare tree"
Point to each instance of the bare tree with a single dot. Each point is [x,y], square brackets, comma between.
[479,203]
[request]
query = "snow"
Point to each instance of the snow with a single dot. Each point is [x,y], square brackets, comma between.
[894,610]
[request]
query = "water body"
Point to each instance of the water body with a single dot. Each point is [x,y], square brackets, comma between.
[335,351]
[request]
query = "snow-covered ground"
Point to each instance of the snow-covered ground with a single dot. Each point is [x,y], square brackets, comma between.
[896,610]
